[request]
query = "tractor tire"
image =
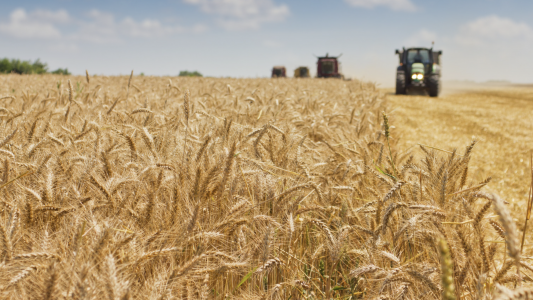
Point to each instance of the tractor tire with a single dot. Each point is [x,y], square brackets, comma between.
[434,85]
[400,83]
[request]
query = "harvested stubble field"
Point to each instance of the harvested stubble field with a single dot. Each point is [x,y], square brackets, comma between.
[498,116]
[198,188]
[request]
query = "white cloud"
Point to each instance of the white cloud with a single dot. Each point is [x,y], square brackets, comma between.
[100,28]
[493,46]
[101,17]
[95,26]
[492,28]
[60,16]
[103,28]
[39,24]
[147,28]
[399,5]
[422,38]
[243,14]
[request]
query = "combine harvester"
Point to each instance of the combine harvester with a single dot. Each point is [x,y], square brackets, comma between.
[328,67]
[279,71]
[419,69]
[301,72]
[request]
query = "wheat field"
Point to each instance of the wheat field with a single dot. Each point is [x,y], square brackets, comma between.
[497,116]
[203,188]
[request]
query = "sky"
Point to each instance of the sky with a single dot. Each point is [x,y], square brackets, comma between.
[481,40]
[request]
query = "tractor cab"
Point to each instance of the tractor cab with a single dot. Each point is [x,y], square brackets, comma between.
[419,69]
[328,66]
[278,71]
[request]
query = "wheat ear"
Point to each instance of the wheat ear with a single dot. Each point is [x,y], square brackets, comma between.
[448,292]
[186,113]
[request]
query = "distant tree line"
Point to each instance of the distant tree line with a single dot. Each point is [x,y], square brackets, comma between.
[18,66]
[190,73]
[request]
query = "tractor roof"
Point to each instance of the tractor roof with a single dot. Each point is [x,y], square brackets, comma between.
[328,57]
[418,48]
[422,48]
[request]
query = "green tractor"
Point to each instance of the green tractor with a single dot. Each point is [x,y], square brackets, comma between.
[419,69]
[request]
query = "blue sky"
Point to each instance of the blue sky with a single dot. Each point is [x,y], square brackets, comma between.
[481,39]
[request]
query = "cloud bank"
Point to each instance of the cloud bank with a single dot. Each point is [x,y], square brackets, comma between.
[95,26]
[491,28]
[242,14]
[398,5]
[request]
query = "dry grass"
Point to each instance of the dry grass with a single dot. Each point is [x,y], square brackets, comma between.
[122,188]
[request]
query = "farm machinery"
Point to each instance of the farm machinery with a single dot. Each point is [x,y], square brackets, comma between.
[328,66]
[278,71]
[419,69]
[301,72]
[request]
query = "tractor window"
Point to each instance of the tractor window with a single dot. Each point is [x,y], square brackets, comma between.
[277,72]
[328,67]
[421,56]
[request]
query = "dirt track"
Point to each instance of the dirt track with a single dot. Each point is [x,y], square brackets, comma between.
[498,117]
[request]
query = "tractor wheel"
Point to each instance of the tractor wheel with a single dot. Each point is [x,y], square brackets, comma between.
[400,83]
[434,85]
